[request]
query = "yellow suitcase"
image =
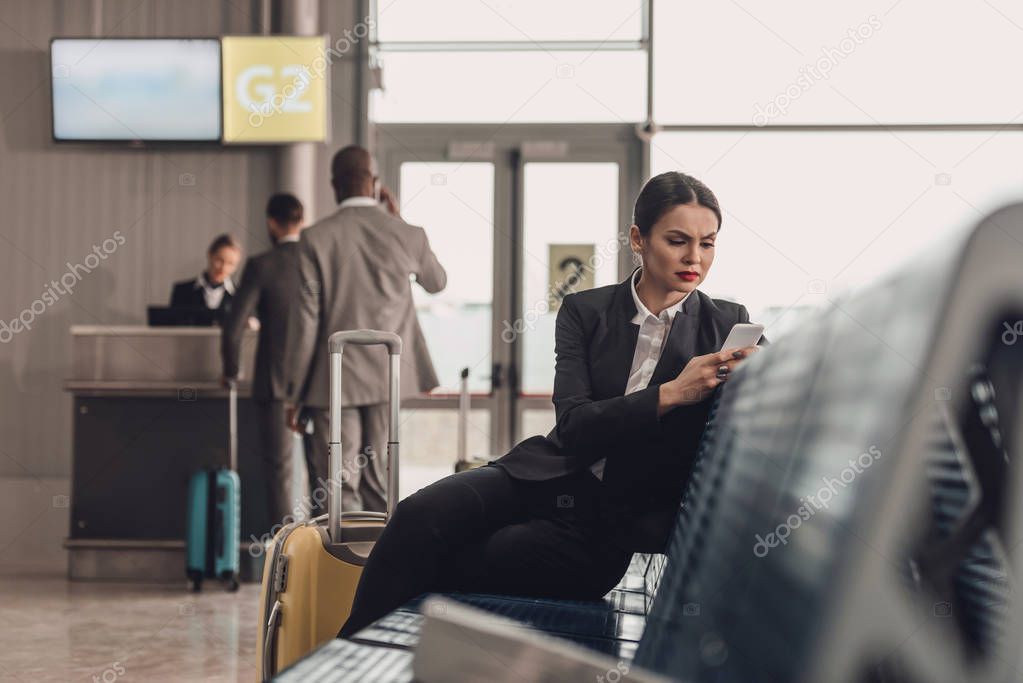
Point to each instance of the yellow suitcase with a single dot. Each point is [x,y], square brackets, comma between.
[313,567]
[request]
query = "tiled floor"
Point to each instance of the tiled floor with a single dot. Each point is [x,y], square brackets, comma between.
[54,630]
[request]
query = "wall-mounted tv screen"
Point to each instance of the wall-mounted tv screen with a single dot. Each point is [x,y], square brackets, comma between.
[155,89]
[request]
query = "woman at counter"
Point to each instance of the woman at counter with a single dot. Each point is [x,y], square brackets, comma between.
[213,289]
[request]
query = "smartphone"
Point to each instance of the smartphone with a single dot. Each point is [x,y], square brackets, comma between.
[743,335]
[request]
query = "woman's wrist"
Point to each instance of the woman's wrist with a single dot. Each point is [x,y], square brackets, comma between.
[668,398]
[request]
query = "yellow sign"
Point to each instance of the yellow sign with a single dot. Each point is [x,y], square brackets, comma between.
[275,89]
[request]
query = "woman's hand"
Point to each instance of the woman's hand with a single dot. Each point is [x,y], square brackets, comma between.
[699,377]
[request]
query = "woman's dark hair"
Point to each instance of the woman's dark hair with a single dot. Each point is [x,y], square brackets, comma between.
[221,241]
[285,209]
[667,190]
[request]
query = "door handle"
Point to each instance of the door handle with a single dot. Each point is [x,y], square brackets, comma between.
[501,374]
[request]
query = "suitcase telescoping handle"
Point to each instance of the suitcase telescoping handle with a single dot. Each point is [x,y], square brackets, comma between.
[232,424]
[337,344]
[463,416]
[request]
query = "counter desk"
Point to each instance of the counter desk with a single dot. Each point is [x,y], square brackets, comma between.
[148,411]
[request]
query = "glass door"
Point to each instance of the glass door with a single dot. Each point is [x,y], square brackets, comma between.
[570,241]
[518,216]
[454,203]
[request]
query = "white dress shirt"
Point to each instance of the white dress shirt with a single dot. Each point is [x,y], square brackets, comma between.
[213,294]
[358,201]
[653,333]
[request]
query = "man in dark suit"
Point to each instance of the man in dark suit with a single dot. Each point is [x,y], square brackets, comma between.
[269,288]
[355,267]
[213,289]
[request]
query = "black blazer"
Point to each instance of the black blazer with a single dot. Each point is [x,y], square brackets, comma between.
[269,288]
[186,295]
[649,459]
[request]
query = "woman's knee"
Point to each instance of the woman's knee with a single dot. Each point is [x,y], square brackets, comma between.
[420,516]
[411,511]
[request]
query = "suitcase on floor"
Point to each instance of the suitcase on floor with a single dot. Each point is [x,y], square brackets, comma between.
[213,526]
[313,567]
[464,462]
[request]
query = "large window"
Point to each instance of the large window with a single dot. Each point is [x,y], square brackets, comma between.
[498,61]
[900,129]
[803,62]
[454,202]
[808,214]
[519,21]
[511,87]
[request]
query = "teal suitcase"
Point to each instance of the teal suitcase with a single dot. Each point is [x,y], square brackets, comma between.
[213,527]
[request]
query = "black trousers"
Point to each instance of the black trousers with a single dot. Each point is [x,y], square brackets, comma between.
[483,531]
[276,454]
[317,460]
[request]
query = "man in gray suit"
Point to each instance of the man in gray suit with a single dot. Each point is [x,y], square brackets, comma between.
[355,267]
[269,289]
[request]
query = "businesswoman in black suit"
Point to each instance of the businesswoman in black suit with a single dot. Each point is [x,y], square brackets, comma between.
[560,515]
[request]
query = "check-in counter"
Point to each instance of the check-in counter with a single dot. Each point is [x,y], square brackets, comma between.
[149,411]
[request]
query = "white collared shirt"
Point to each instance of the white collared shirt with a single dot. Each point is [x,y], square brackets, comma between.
[213,295]
[653,334]
[288,238]
[358,201]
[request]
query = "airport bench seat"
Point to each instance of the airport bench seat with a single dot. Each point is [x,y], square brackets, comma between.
[383,650]
[905,572]
[612,625]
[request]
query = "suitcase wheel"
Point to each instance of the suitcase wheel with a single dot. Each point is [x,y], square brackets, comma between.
[230,581]
[195,585]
